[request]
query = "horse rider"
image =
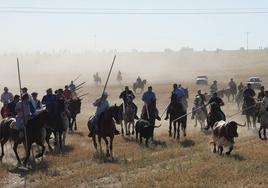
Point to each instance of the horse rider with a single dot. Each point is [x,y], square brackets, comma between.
[265,99]
[199,101]
[218,102]
[72,87]
[214,87]
[23,113]
[36,104]
[138,81]
[240,86]
[67,93]
[6,98]
[232,85]
[261,94]
[49,100]
[173,100]
[119,76]
[128,98]
[149,100]
[102,105]
[248,95]
[11,107]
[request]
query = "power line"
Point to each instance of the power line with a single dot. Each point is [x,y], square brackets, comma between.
[133,13]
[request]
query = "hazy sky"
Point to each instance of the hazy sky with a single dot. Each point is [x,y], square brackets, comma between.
[31,32]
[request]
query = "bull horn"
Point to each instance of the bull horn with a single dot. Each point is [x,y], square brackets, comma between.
[241,125]
[158,126]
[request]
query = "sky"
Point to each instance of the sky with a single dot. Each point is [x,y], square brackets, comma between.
[25,32]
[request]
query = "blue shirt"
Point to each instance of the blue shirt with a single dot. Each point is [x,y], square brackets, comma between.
[72,87]
[179,92]
[149,97]
[50,102]
[102,106]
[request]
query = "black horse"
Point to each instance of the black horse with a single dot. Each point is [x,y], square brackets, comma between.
[250,109]
[106,128]
[177,110]
[35,133]
[74,108]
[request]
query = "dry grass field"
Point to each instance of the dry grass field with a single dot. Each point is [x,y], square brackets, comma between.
[167,163]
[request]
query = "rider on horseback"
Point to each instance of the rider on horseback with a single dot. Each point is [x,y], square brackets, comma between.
[149,100]
[248,94]
[214,87]
[102,105]
[23,113]
[6,97]
[199,101]
[138,81]
[128,97]
[215,114]
[232,84]
[177,96]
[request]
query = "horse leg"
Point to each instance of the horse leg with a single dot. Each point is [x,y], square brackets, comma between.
[261,127]
[64,137]
[28,152]
[248,121]
[122,129]
[183,124]
[107,147]
[47,139]
[60,140]
[75,124]
[3,142]
[129,128]
[254,120]
[94,142]
[99,140]
[55,138]
[133,131]
[15,147]
[170,126]
[264,133]
[174,129]
[126,128]
[111,146]
[178,131]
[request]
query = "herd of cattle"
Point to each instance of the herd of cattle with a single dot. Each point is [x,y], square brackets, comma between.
[39,129]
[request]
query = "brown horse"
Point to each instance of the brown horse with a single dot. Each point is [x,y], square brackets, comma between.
[35,131]
[106,128]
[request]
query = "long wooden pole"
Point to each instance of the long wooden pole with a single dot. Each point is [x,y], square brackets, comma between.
[22,107]
[108,76]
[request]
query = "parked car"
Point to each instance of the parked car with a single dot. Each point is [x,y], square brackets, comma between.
[255,82]
[202,80]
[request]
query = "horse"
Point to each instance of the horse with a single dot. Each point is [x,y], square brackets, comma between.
[239,99]
[128,116]
[177,110]
[200,114]
[214,115]
[35,133]
[74,108]
[106,128]
[263,121]
[230,92]
[119,78]
[97,79]
[250,110]
[140,85]
[58,124]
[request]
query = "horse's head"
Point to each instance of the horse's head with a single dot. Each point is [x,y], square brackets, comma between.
[116,113]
